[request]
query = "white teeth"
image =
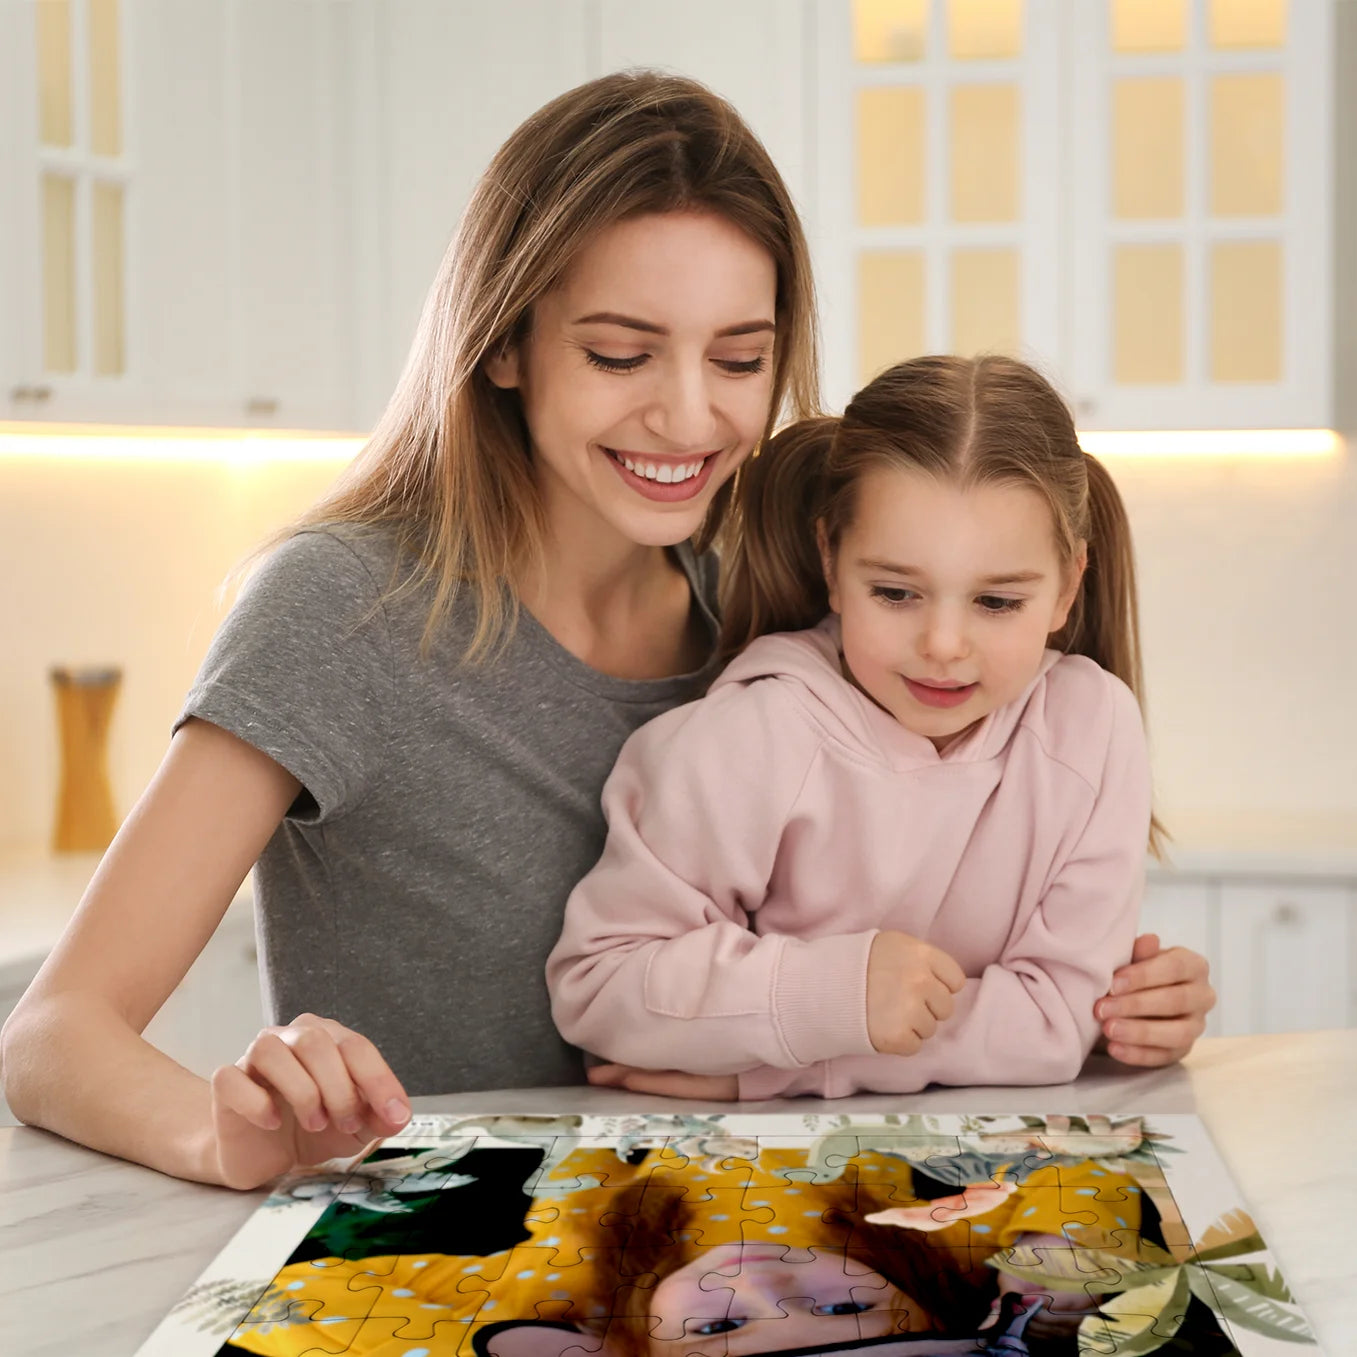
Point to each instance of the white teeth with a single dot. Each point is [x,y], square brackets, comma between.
[665,473]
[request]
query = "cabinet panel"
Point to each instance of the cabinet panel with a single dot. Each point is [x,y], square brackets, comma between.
[1286,957]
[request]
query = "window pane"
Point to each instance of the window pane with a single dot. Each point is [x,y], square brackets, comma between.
[105,95]
[1147,147]
[986,302]
[986,153]
[890,309]
[54,72]
[890,161]
[1248,23]
[1247,117]
[1246,311]
[1147,311]
[890,30]
[58,273]
[107,231]
[1149,25]
[984,30]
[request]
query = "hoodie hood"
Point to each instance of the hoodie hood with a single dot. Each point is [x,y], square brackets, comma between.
[811,662]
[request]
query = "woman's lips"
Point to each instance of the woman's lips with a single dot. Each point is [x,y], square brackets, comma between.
[935,695]
[659,490]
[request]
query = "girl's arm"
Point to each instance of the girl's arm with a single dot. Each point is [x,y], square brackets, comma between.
[657,966]
[72,1057]
[1029,1017]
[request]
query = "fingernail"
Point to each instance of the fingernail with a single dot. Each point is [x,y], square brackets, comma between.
[350,1125]
[1115,1029]
[1118,985]
[397,1113]
[315,1122]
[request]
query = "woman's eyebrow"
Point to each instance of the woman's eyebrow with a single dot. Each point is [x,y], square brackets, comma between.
[747,327]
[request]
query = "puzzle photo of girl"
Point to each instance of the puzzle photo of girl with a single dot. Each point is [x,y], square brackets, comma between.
[685,1237]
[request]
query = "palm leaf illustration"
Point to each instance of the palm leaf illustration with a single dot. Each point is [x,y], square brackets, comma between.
[1257,1277]
[1233,1300]
[1228,1237]
[1138,1321]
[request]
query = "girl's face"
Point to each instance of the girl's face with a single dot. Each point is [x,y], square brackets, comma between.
[758,1297]
[647,376]
[947,597]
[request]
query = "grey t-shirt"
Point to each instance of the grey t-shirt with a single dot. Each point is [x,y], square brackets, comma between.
[417,885]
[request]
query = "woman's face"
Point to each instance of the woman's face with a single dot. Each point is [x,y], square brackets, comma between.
[646,378]
[747,1298]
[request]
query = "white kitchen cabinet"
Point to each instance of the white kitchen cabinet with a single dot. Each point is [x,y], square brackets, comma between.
[937,194]
[1164,234]
[196,268]
[1287,956]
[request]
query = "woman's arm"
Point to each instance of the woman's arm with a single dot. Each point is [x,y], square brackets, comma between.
[72,1057]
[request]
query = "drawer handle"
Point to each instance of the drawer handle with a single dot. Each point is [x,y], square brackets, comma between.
[1286,915]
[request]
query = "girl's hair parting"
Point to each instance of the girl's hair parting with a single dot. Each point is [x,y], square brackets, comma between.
[977,421]
[657,1224]
[449,462]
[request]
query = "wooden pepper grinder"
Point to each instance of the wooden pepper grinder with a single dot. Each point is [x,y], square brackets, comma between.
[86,822]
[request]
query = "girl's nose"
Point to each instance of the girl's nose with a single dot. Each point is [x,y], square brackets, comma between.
[943,637]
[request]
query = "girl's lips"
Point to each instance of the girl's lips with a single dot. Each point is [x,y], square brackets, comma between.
[932,696]
[658,490]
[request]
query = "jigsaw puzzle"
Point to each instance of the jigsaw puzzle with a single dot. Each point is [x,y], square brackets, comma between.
[741,1234]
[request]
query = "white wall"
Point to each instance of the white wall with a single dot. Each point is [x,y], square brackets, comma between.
[1247,578]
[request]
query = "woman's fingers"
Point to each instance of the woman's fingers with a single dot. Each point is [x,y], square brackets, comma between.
[234,1090]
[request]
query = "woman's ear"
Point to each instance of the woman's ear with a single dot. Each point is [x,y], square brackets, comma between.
[1074,577]
[502,366]
[827,563]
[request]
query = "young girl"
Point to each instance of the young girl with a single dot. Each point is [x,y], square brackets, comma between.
[409,716]
[903,845]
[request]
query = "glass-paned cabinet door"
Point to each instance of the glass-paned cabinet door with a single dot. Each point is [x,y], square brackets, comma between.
[1200,179]
[66,193]
[938,201]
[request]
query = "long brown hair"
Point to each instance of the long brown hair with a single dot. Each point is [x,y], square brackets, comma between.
[654,1228]
[978,421]
[449,463]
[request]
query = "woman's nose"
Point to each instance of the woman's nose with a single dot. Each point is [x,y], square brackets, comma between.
[683,413]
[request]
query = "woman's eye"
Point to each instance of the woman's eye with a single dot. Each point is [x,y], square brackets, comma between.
[844,1307]
[601,360]
[994,603]
[715,1326]
[888,594]
[742,367]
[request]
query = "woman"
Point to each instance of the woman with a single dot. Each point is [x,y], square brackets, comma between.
[408,718]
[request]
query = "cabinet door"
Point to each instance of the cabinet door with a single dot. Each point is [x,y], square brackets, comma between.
[1184,913]
[1201,182]
[443,85]
[292,314]
[1287,957]
[937,183]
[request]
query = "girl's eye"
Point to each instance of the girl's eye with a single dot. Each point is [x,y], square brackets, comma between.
[891,594]
[844,1307]
[995,603]
[601,360]
[746,367]
[715,1326]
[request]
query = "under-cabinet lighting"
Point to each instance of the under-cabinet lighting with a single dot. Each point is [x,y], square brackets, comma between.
[231,447]
[1212,443]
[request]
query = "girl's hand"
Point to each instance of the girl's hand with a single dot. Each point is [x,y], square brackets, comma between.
[1157,1006]
[910,984]
[713,1088]
[301,1094]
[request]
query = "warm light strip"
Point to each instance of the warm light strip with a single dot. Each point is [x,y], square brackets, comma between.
[1213,443]
[232,447]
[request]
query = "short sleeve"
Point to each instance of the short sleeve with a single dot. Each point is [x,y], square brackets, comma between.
[302,670]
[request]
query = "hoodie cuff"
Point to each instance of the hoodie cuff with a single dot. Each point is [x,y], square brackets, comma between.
[820,997]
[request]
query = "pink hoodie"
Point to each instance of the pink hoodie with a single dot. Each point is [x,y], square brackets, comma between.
[759,838]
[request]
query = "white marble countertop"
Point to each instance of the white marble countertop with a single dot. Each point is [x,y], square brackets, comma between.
[94,1251]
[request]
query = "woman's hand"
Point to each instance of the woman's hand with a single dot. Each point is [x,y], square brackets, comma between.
[301,1094]
[1157,1006]
[712,1088]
